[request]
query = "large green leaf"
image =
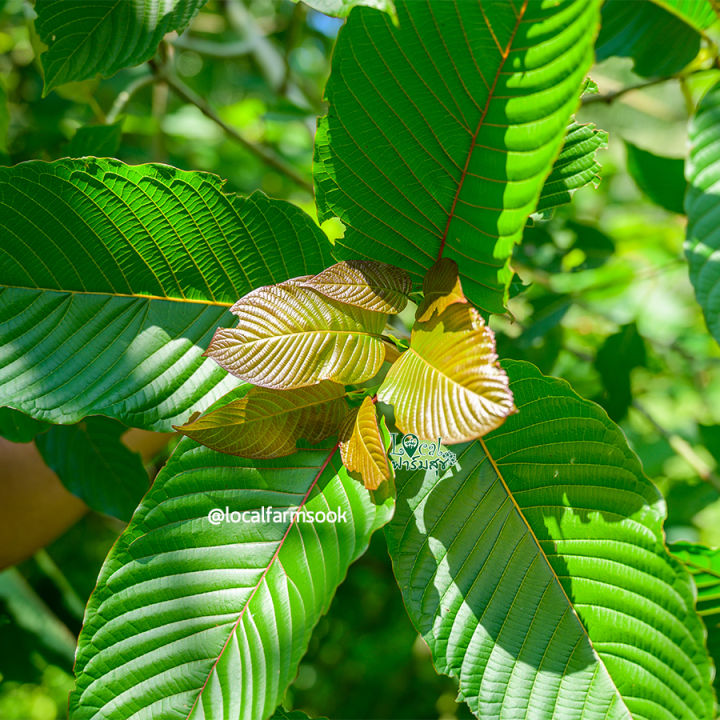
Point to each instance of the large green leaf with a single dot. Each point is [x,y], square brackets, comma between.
[536,571]
[441,131]
[700,14]
[86,38]
[198,620]
[662,179]
[114,278]
[702,205]
[659,42]
[703,563]
[94,464]
[18,427]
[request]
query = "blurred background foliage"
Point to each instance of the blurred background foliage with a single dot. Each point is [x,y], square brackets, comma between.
[602,300]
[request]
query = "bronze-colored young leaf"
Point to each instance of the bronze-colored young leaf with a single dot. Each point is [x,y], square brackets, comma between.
[441,288]
[448,384]
[290,336]
[368,284]
[268,423]
[361,447]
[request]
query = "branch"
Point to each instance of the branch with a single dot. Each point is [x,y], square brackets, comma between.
[261,152]
[123,98]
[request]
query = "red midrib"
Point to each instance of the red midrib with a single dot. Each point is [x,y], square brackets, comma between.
[504,57]
[262,578]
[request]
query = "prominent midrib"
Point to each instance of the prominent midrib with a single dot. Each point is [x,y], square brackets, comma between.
[491,91]
[554,575]
[266,570]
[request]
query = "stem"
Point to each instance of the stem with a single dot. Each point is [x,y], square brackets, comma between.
[71,599]
[682,448]
[123,98]
[261,152]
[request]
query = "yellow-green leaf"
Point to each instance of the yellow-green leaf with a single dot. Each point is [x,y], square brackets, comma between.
[362,449]
[268,423]
[365,283]
[448,384]
[290,336]
[441,288]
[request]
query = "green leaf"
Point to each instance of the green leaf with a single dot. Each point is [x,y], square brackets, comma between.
[289,336]
[96,140]
[215,618]
[662,179]
[115,278]
[362,448]
[697,13]
[702,205]
[448,384]
[86,38]
[282,714]
[703,564]
[94,464]
[342,8]
[710,436]
[619,355]
[367,284]
[268,423]
[659,42]
[18,427]
[536,570]
[437,144]
[4,118]
[575,167]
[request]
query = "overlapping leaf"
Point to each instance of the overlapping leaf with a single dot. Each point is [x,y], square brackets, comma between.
[289,336]
[114,278]
[702,205]
[441,130]
[268,423]
[18,427]
[367,284]
[536,570]
[362,448]
[341,8]
[86,38]
[199,620]
[662,179]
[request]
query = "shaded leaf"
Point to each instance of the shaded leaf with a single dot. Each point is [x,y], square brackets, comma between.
[702,205]
[94,464]
[575,167]
[268,423]
[662,179]
[289,336]
[214,618]
[115,277]
[86,38]
[441,288]
[536,570]
[437,143]
[97,140]
[18,427]
[710,436]
[362,448]
[365,283]
[640,30]
[282,714]
[448,384]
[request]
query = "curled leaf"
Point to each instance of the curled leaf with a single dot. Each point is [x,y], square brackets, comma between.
[448,384]
[362,448]
[290,336]
[268,423]
[441,288]
[365,283]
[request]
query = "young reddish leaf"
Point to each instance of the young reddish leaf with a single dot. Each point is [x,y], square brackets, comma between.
[362,448]
[441,288]
[365,283]
[268,423]
[448,384]
[290,336]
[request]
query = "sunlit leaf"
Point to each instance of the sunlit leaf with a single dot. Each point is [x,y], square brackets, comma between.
[290,336]
[536,570]
[362,448]
[702,204]
[208,620]
[442,129]
[341,8]
[268,423]
[448,384]
[86,38]
[441,288]
[365,283]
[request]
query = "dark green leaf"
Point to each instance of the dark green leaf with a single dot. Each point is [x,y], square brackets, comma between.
[710,436]
[662,179]
[97,140]
[18,427]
